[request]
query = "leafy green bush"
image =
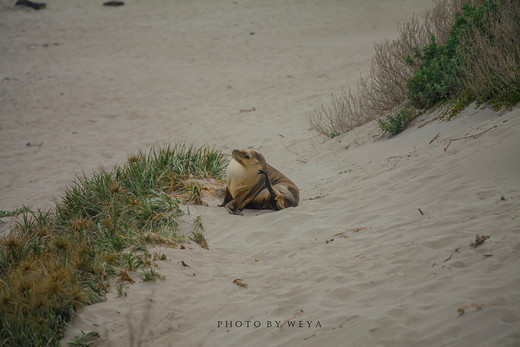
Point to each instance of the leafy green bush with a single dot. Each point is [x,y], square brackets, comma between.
[437,78]
[395,125]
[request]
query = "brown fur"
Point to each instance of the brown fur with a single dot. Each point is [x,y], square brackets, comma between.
[250,182]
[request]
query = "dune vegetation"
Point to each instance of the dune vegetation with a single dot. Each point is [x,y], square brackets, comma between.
[55,261]
[461,52]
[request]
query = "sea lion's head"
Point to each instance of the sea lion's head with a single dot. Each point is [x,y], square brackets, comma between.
[249,159]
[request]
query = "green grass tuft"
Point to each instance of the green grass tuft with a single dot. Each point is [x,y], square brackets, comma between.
[92,338]
[197,235]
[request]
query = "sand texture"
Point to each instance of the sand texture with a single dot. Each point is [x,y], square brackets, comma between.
[377,253]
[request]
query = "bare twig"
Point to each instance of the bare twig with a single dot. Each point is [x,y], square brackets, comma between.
[297,314]
[461,310]
[184,264]
[451,255]
[467,137]
[355,230]
[435,138]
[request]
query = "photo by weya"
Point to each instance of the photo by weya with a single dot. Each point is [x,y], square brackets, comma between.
[269,324]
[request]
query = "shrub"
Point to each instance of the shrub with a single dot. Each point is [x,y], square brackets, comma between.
[396,124]
[462,52]
[385,88]
[437,78]
[441,74]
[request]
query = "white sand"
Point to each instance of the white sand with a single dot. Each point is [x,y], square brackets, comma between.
[93,84]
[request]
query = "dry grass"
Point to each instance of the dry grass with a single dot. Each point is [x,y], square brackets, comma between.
[347,111]
[492,67]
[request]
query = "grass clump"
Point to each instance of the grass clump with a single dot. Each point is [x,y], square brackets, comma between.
[55,261]
[151,275]
[197,235]
[92,338]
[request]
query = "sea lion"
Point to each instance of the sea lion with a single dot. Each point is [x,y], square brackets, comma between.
[252,183]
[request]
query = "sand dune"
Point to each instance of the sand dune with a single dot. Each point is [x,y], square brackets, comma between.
[357,256]
[378,252]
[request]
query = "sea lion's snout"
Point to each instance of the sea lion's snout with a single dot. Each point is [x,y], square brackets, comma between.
[239,155]
[235,154]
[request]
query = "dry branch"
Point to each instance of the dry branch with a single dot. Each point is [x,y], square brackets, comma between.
[435,138]
[297,314]
[467,137]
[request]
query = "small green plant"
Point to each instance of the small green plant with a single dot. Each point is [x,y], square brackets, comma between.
[131,262]
[396,124]
[460,103]
[197,235]
[90,339]
[15,212]
[199,238]
[151,275]
[334,134]
[159,256]
[195,194]
[120,289]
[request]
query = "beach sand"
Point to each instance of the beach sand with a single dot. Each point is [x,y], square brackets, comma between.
[378,253]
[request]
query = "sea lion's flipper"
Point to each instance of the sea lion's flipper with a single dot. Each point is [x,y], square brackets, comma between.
[227,198]
[244,197]
[231,211]
[270,189]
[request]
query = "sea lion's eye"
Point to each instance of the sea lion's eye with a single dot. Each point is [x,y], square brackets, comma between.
[247,156]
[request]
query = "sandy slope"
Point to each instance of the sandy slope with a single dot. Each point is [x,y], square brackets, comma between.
[393,277]
[357,259]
